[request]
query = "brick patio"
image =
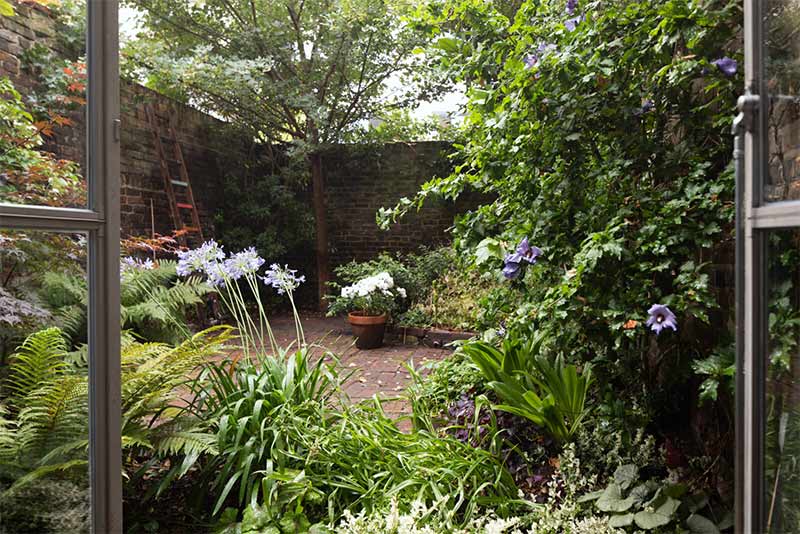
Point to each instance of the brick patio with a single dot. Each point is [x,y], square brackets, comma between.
[375,372]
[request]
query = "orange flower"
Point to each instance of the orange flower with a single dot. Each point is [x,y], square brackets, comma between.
[630,324]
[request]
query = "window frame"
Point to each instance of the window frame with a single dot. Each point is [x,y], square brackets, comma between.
[101,223]
[755,219]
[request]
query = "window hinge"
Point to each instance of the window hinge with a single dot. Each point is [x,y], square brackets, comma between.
[117,127]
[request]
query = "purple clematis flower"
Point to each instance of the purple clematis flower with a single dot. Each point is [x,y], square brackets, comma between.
[661,317]
[526,252]
[572,23]
[727,65]
[572,5]
[512,269]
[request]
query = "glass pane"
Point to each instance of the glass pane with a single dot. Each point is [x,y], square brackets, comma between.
[44,474]
[783,81]
[782,462]
[43,109]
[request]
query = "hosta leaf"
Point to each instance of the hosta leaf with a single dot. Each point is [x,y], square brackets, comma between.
[620,521]
[625,475]
[700,525]
[659,515]
[611,500]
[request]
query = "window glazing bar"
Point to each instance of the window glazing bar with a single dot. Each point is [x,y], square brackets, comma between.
[776,215]
[104,290]
[48,218]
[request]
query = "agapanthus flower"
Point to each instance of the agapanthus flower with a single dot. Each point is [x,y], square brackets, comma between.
[572,5]
[727,65]
[130,264]
[282,279]
[243,263]
[572,23]
[190,261]
[215,273]
[661,317]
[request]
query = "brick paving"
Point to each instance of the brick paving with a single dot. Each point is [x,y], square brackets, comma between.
[379,371]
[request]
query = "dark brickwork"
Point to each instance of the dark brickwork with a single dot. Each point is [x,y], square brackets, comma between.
[360,180]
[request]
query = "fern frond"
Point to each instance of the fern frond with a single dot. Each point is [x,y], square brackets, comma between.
[39,360]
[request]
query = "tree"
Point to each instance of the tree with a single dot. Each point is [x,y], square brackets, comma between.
[302,72]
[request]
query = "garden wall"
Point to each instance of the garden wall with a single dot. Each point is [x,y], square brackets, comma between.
[359,180]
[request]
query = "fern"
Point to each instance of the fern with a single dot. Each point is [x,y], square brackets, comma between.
[38,361]
[49,433]
[155,302]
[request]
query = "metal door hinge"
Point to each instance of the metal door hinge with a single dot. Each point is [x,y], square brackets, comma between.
[748,107]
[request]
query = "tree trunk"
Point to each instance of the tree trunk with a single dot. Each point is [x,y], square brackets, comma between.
[321,227]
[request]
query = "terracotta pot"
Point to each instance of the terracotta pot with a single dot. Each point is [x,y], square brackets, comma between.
[368,329]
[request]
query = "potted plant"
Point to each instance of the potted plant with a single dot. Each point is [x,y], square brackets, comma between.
[369,303]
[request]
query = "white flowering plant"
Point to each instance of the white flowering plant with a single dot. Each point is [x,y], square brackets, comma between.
[372,295]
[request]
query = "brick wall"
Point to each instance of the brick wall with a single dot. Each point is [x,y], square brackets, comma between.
[359,179]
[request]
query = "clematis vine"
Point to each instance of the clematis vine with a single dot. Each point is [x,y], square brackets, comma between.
[572,24]
[524,253]
[572,5]
[661,317]
[726,65]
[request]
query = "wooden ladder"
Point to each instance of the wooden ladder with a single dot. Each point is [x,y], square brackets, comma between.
[179,192]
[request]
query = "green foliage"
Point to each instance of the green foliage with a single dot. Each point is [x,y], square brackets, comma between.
[549,393]
[30,176]
[304,72]
[649,505]
[261,207]
[254,409]
[398,126]
[156,303]
[44,420]
[611,152]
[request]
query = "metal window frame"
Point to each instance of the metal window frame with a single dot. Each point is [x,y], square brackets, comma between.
[101,222]
[755,219]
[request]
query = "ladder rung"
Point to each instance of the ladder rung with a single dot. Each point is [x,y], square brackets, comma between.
[180,183]
[183,206]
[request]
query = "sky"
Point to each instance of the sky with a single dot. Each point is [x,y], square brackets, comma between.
[448,104]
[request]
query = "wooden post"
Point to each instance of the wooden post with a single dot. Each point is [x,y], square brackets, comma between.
[321,227]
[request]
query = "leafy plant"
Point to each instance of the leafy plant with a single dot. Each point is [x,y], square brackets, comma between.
[549,393]
[44,421]
[155,303]
[253,409]
[651,506]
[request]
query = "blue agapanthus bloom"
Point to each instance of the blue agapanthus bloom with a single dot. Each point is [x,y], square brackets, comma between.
[195,260]
[572,5]
[282,279]
[242,263]
[661,317]
[726,65]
